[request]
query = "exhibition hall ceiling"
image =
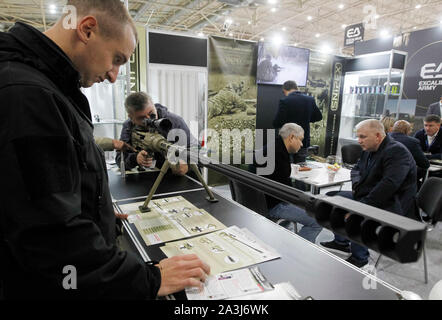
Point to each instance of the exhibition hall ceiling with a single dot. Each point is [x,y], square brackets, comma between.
[314,24]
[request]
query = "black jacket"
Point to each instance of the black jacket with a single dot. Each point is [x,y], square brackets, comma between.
[414,147]
[436,147]
[282,169]
[388,180]
[130,158]
[56,207]
[300,109]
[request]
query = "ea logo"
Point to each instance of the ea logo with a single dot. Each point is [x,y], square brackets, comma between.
[353,32]
[429,71]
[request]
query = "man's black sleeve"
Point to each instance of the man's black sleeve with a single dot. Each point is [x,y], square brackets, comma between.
[316,113]
[43,220]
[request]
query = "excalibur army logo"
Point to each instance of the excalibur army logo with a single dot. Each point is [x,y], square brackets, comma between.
[354,33]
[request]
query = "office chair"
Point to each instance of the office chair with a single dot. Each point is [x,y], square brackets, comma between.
[429,203]
[255,200]
[351,154]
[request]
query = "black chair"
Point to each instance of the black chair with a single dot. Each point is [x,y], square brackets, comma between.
[256,201]
[429,203]
[351,154]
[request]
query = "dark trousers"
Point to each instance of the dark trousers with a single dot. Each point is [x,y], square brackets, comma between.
[357,251]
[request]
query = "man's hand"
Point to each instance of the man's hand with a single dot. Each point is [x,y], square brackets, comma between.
[180,272]
[122,146]
[143,159]
[180,169]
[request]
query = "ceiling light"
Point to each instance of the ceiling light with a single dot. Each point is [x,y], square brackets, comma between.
[343,26]
[418,6]
[52,8]
[249,22]
[341,6]
[295,44]
[200,34]
[271,1]
[309,18]
[284,29]
[317,35]
[326,48]
[385,34]
[414,28]
[230,34]
[377,16]
[228,21]
[262,39]
[273,9]
[277,40]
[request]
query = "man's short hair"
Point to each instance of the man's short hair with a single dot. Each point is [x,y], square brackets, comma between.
[402,126]
[373,124]
[110,14]
[432,118]
[291,128]
[137,102]
[290,85]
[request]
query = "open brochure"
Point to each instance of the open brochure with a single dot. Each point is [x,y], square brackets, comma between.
[170,219]
[225,250]
[243,284]
[231,284]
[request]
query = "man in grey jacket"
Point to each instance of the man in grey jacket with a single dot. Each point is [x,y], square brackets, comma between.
[139,106]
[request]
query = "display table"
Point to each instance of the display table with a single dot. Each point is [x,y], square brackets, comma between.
[310,269]
[318,177]
[138,185]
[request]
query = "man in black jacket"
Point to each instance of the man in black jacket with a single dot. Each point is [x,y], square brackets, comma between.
[289,141]
[401,130]
[56,218]
[384,177]
[435,108]
[430,138]
[139,106]
[300,109]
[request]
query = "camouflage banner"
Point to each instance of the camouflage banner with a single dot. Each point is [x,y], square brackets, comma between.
[319,86]
[232,94]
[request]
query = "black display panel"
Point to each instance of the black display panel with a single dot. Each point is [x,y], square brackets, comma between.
[179,50]
[278,65]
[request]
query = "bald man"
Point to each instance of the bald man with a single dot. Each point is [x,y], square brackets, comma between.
[384,177]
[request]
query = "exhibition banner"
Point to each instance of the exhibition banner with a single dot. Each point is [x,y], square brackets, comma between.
[232,95]
[335,106]
[319,86]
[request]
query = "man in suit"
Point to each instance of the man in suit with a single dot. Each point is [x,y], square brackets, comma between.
[435,108]
[384,177]
[400,133]
[300,109]
[429,137]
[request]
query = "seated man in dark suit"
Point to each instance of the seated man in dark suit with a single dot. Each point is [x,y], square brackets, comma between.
[289,141]
[300,109]
[429,137]
[435,108]
[384,177]
[139,106]
[401,130]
